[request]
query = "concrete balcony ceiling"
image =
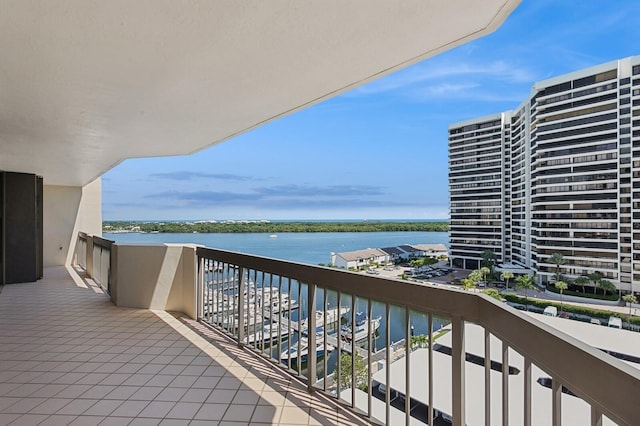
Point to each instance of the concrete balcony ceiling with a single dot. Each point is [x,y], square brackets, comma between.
[87,84]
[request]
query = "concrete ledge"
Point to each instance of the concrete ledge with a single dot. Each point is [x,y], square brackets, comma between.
[158,277]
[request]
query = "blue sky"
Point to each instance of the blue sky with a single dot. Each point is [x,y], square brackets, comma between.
[379,151]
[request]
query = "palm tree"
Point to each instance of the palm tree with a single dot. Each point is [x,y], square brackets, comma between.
[485,271]
[526,283]
[562,286]
[581,281]
[607,286]
[595,279]
[557,259]
[506,275]
[629,298]
[468,283]
[475,275]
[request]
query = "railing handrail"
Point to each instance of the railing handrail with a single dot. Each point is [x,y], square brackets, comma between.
[102,242]
[601,380]
[82,235]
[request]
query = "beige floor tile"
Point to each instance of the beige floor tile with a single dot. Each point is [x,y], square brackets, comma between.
[97,363]
[238,413]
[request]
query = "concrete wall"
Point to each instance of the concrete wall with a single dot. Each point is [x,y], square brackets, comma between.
[161,276]
[68,210]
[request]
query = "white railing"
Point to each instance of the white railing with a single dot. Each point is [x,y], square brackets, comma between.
[536,374]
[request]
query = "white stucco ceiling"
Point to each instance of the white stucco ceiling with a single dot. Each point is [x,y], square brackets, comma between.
[85,84]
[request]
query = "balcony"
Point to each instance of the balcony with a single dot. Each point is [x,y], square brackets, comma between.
[77,355]
[69,356]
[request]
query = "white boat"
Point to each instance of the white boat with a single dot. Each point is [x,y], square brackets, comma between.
[273,236]
[332,316]
[268,334]
[292,352]
[361,329]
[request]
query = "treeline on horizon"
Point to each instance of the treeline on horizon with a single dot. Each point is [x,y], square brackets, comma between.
[273,227]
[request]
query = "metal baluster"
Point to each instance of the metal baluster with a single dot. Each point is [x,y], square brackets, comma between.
[369,356]
[430,369]
[407,377]
[324,343]
[387,341]
[487,377]
[299,365]
[556,404]
[311,331]
[280,325]
[505,383]
[337,373]
[353,352]
[241,310]
[527,392]
[596,417]
[458,359]
[288,320]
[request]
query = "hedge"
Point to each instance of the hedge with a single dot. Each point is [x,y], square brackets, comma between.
[580,310]
[586,295]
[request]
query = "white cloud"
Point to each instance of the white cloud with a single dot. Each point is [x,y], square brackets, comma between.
[447,73]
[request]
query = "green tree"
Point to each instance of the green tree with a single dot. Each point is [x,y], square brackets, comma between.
[506,276]
[595,279]
[475,276]
[562,286]
[526,283]
[558,260]
[489,259]
[607,286]
[629,299]
[582,281]
[419,341]
[346,372]
[468,284]
[484,271]
[492,292]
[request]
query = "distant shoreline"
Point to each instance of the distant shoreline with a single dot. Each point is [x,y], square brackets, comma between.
[272,227]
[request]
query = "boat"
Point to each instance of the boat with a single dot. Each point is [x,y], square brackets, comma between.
[273,236]
[292,352]
[269,333]
[332,316]
[361,329]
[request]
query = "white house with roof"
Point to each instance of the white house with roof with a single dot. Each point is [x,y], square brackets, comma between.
[359,258]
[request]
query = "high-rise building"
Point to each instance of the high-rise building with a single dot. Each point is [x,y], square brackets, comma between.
[558,174]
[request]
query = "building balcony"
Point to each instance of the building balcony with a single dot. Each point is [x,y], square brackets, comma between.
[70,355]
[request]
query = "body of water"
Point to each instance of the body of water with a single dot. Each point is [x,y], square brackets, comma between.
[305,247]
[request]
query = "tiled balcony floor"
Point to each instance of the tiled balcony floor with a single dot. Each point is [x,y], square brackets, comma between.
[68,356]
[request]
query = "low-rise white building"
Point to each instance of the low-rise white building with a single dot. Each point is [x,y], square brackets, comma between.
[433,250]
[359,258]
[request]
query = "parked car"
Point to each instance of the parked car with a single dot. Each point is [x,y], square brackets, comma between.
[615,322]
[551,311]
